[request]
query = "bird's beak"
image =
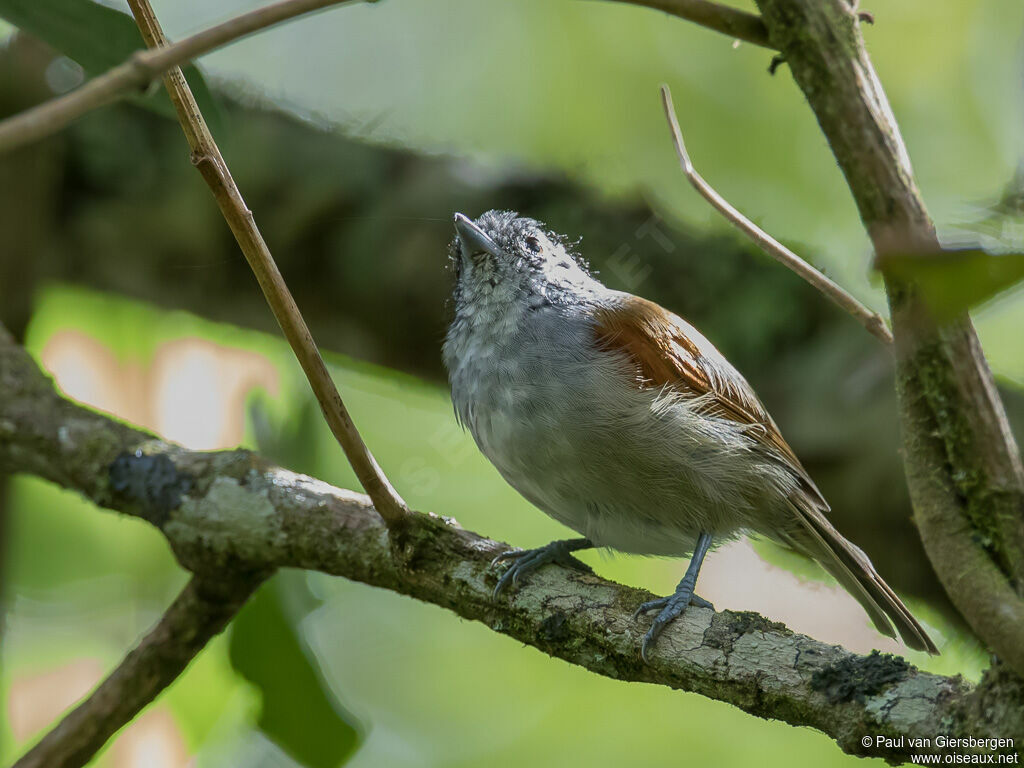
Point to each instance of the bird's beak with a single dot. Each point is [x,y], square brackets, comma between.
[472,238]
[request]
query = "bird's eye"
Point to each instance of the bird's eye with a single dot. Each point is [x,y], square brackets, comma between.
[533,243]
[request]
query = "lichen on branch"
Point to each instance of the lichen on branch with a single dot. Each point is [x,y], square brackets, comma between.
[232,511]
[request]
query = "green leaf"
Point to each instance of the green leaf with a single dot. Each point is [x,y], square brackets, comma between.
[953,281]
[99,38]
[299,712]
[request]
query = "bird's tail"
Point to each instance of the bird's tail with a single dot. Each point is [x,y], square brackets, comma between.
[848,564]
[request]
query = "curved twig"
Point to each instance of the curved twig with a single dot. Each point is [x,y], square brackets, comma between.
[871,321]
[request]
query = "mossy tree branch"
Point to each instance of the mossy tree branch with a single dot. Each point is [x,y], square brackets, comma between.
[233,512]
[963,467]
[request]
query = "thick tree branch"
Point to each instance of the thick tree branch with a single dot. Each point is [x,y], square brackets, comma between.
[225,511]
[206,156]
[200,612]
[963,467]
[872,321]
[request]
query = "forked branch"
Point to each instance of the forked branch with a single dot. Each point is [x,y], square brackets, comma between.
[206,156]
[222,509]
[963,466]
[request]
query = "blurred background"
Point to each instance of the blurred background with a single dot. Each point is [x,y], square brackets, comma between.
[354,135]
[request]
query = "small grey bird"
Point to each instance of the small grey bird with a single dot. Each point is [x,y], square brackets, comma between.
[618,419]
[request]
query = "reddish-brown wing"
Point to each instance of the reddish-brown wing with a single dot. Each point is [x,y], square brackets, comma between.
[667,352]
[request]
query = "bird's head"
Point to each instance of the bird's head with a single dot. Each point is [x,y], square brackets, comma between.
[503,256]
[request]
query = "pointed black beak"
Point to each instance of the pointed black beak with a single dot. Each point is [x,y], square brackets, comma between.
[473,239]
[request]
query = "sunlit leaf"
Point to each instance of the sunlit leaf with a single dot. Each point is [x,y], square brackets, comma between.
[99,38]
[956,280]
[299,713]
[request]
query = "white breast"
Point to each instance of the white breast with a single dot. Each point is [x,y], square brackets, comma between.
[636,470]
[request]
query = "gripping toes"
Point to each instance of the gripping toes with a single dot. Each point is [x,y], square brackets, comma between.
[662,602]
[526,560]
[670,608]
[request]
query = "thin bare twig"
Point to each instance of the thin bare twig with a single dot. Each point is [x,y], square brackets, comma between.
[207,158]
[139,70]
[721,18]
[872,321]
[199,613]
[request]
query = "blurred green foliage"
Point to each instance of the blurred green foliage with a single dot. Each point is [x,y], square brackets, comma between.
[954,281]
[297,709]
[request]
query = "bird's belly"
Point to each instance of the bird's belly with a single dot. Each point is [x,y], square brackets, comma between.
[610,467]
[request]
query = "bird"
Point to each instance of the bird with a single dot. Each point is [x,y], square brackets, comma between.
[618,419]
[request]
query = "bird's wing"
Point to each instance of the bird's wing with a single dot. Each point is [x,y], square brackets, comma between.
[666,352]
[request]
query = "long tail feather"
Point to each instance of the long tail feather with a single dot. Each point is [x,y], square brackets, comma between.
[848,564]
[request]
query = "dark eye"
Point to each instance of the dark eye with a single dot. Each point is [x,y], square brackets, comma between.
[533,243]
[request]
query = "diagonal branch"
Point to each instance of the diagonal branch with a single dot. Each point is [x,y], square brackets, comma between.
[206,156]
[224,510]
[200,612]
[721,18]
[141,69]
[872,321]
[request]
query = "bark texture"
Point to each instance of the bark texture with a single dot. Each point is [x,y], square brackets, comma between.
[962,464]
[233,512]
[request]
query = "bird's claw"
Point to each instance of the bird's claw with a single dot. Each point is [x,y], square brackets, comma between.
[695,600]
[509,554]
[671,607]
[526,560]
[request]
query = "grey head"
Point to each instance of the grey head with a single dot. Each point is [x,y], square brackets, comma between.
[502,257]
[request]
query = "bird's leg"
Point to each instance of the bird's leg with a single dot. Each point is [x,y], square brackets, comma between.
[526,560]
[673,605]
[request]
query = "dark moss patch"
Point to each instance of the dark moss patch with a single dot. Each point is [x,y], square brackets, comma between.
[553,629]
[729,626]
[153,483]
[854,678]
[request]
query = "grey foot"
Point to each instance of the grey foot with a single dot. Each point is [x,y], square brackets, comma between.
[671,607]
[526,560]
